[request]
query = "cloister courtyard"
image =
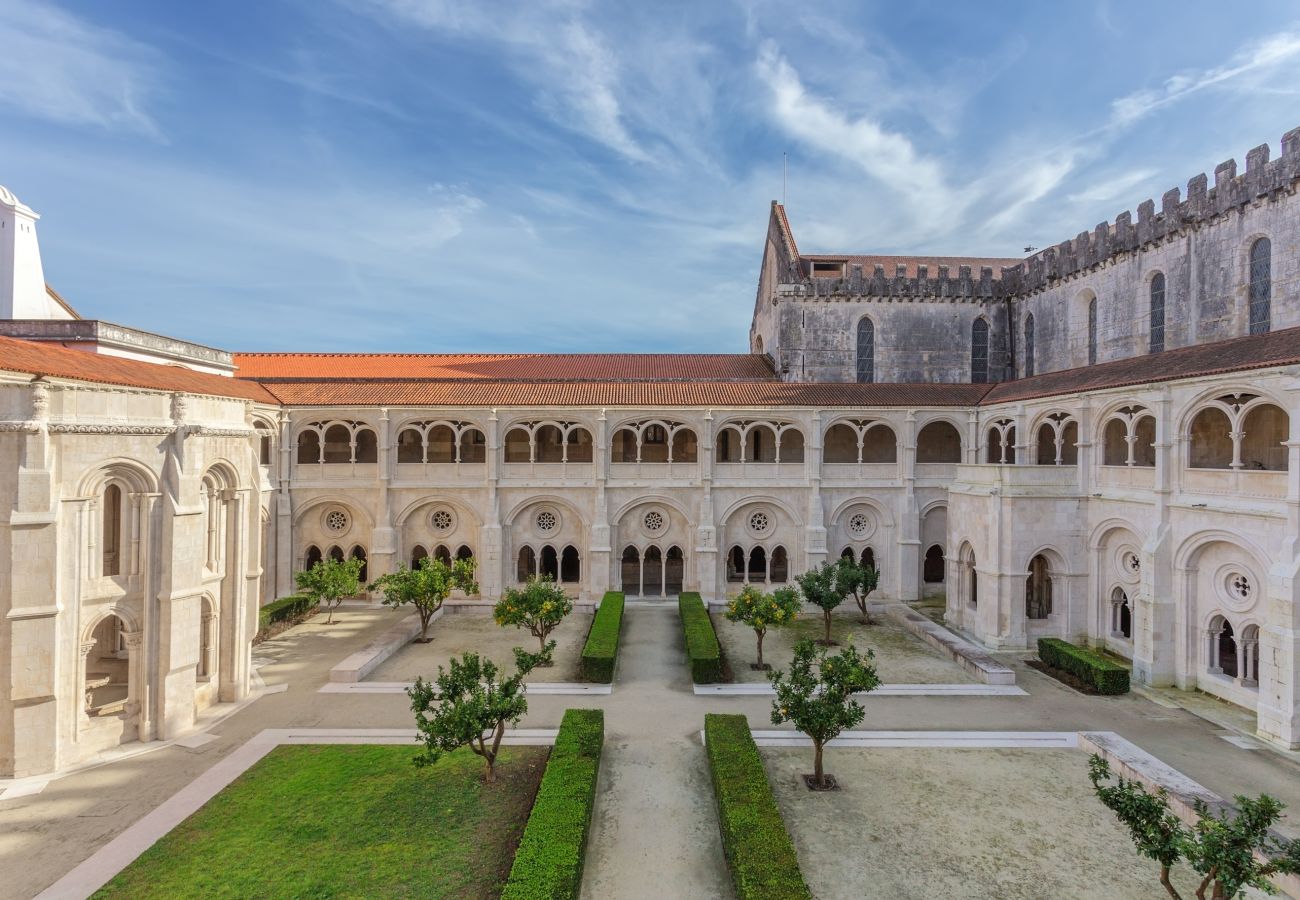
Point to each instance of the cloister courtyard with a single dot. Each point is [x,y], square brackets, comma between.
[943,792]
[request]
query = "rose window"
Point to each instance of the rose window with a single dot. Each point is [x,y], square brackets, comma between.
[442,520]
[1132,563]
[760,522]
[336,521]
[859,525]
[1239,587]
[547,521]
[654,520]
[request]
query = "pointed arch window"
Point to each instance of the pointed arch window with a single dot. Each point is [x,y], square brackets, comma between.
[979,351]
[112,538]
[1158,313]
[1029,345]
[1261,285]
[1092,331]
[866,350]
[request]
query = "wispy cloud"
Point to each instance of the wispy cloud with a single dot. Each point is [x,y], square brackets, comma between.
[61,68]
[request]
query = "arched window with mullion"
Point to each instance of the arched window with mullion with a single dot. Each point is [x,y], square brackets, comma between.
[866,350]
[1157,318]
[1092,331]
[979,351]
[1029,345]
[1261,285]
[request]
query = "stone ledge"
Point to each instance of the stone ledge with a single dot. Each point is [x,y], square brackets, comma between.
[360,664]
[965,654]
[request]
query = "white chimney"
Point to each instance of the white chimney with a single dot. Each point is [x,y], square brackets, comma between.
[22,280]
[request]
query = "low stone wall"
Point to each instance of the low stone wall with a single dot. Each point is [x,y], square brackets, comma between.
[360,664]
[1134,763]
[962,652]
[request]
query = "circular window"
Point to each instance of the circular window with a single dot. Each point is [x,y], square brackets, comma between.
[547,521]
[654,521]
[760,523]
[859,525]
[1239,587]
[1131,562]
[442,520]
[337,521]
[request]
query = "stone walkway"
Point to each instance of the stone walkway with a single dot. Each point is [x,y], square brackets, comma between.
[655,829]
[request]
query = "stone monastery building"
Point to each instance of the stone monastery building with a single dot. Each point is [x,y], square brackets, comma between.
[1100,441]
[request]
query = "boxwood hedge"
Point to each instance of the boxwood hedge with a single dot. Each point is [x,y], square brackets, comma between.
[759,851]
[285,608]
[1101,674]
[601,650]
[702,648]
[548,863]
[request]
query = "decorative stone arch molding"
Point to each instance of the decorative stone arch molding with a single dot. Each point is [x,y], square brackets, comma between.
[547,440]
[424,440]
[1055,434]
[637,439]
[855,439]
[336,441]
[739,439]
[1126,432]
[430,522]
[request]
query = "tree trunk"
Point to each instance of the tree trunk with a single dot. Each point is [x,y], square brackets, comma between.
[760,645]
[329,617]
[826,613]
[425,616]
[1164,879]
[862,605]
[1210,878]
[819,776]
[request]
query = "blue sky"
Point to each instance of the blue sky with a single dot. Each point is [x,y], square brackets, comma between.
[566,176]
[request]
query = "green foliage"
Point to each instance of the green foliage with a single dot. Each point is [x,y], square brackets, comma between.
[758,849]
[1232,849]
[540,606]
[1103,675]
[702,649]
[283,610]
[330,581]
[470,707]
[824,588]
[761,611]
[601,649]
[817,694]
[858,581]
[426,587]
[548,863]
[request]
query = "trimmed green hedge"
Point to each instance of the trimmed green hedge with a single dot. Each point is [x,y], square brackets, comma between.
[759,851]
[601,649]
[285,608]
[548,863]
[702,648]
[1103,675]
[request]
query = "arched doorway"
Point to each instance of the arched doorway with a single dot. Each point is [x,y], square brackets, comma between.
[1038,589]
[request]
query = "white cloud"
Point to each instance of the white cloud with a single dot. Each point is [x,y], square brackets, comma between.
[59,67]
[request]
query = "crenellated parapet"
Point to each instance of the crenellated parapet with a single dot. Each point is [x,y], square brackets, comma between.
[944,284]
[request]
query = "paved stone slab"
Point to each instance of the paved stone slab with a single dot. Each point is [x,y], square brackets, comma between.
[963,652]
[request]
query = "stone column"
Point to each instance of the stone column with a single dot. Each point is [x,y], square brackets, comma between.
[815,529]
[706,545]
[907,561]
[283,521]
[492,569]
[599,564]
[381,558]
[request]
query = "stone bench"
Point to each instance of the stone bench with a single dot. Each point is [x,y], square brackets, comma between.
[961,651]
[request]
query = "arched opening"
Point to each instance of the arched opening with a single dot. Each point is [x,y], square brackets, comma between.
[840,444]
[868,559]
[1211,440]
[979,351]
[464,552]
[579,446]
[1038,589]
[866,351]
[685,446]
[879,445]
[112,531]
[263,443]
[970,577]
[1249,666]
[367,446]
[630,571]
[313,557]
[780,573]
[1029,345]
[932,571]
[1046,445]
[791,446]
[338,445]
[442,554]
[730,446]
[938,442]
[549,566]
[654,443]
[527,564]
[309,446]
[760,444]
[1121,614]
[1114,451]
[1001,445]
[442,444]
[570,565]
[1261,285]
[336,553]
[735,565]
[207,666]
[107,675]
[548,444]
[418,555]
[1223,648]
[1070,444]
[359,552]
[757,571]
[847,553]
[518,448]
[674,571]
[622,449]
[1157,316]
[473,446]
[1265,430]
[1144,443]
[652,573]
[1092,331]
[410,446]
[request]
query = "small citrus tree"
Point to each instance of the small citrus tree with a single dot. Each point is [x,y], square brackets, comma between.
[817,696]
[540,606]
[329,581]
[761,611]
[823,588]
[858,581]
[426,587]
[1231,850]
[469,705]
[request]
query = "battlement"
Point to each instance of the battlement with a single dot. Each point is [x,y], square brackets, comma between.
[944,284]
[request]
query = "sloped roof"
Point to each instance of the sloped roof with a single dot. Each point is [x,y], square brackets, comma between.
[61,362]
[509,366]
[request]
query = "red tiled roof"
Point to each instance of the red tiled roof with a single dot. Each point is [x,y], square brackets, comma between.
[61,362]
[1256,351]
[932,263]
[622,393]
[508,366]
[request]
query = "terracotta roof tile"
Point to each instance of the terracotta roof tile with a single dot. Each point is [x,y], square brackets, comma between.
[1256,351]
[61,362]
[509,366]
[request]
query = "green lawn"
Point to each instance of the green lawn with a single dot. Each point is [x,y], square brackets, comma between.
[347,821]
